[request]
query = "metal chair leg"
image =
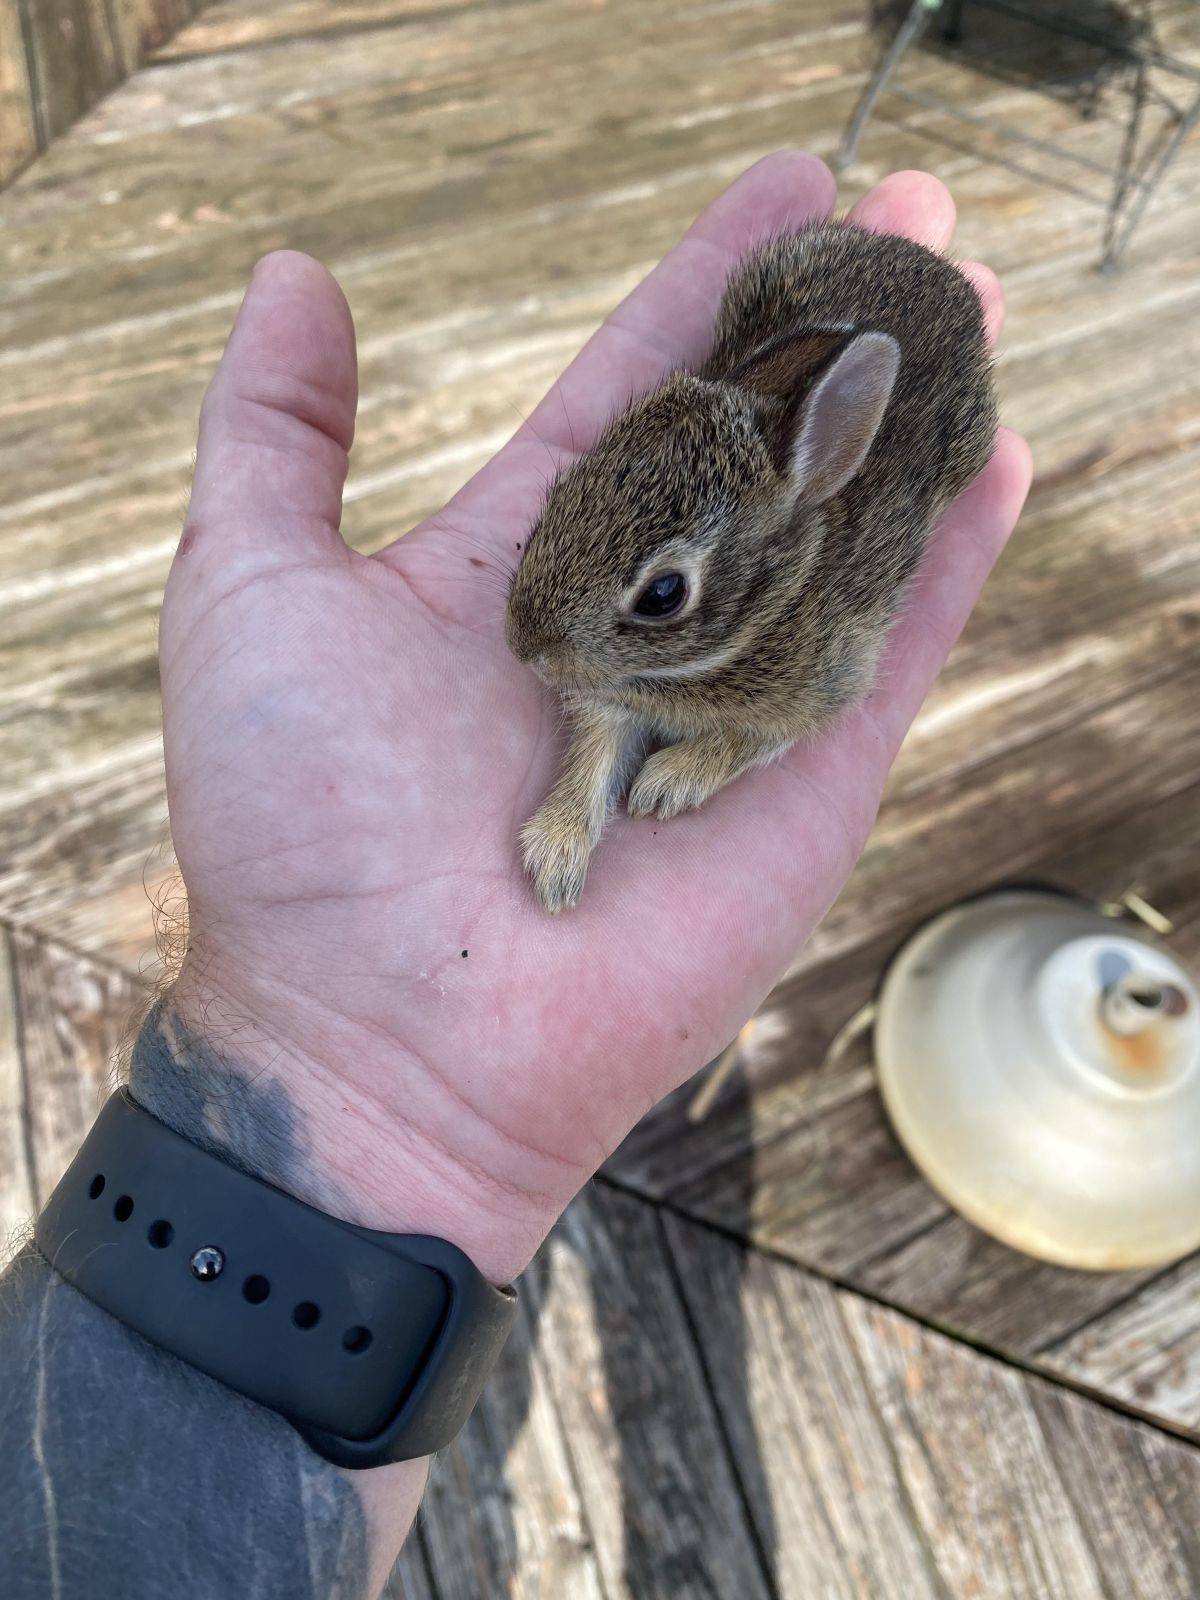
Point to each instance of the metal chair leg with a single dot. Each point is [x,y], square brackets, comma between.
[1124,176]
[1117,238]
[910,29]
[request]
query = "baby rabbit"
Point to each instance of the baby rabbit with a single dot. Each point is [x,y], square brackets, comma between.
[714,579]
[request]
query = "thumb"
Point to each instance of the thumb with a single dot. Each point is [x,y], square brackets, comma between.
[278,418]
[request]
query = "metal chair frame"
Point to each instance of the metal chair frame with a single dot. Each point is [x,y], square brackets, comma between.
[1138,172]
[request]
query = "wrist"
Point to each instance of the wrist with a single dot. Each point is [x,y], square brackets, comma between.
[303,1117]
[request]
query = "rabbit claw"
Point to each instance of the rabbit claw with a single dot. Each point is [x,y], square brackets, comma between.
[665,787]
[555,848]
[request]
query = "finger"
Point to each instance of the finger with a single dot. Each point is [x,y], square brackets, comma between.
[991,296]
[919,206]
[278,418]
[666,322]
[962,552]
[912,203]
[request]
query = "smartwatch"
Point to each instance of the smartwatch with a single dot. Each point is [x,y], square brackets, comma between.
[374,1346]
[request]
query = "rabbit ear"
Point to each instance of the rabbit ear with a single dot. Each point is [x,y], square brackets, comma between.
[784,367]
[837,422]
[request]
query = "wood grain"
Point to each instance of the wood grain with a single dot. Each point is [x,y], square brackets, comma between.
[802,1424]
[1015,810]
[1132,1491]
[503,1513]
[235,26]
[900,1463]
[980,1447]
[76,60]
[784,1080]
[1146,1349]
[58,57]
[77,1017]
[141,27]
[409,1579]
[660,1497]
[63,1021]
[18,129]
[594,1465]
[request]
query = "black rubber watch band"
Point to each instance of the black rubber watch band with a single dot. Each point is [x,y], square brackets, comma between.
[375,1346]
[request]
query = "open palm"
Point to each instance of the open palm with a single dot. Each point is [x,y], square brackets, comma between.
[352,751]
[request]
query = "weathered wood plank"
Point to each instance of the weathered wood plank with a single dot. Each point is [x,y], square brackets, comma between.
[235,26]
[1020,808]
[409,1579]
[1082,611]
[1154,850]
[76,56]
[784,1079]
[76,1017]
[837,1192]
[143,26]
[86,861]
[977,1288]
[438,153]
[658,1490]
[818,1467]
[998,1490]
[1145,1350]
[17,1201]
[18,130]
[57,57]
[403,87]
[503,1513]
[898,1463]
[593,1465]
[1133,1492]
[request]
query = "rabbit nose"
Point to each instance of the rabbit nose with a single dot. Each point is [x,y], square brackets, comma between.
[541,649]
[525,639]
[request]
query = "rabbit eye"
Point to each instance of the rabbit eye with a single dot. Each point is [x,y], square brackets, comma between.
[662,597]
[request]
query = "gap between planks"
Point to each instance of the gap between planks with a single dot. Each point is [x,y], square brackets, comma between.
[1055,1377]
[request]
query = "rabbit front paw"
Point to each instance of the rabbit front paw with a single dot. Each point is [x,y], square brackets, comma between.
[556,843]
[670,781]
[683,776]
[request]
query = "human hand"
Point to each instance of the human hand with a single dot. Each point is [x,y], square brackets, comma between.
[351,752]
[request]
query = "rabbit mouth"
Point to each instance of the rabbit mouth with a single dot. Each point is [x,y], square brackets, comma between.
[568,678]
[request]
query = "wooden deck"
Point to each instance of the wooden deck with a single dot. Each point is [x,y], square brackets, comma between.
[58,57]
[760,1358]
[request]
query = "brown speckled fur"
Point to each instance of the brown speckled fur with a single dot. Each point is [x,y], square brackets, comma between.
[794,597]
